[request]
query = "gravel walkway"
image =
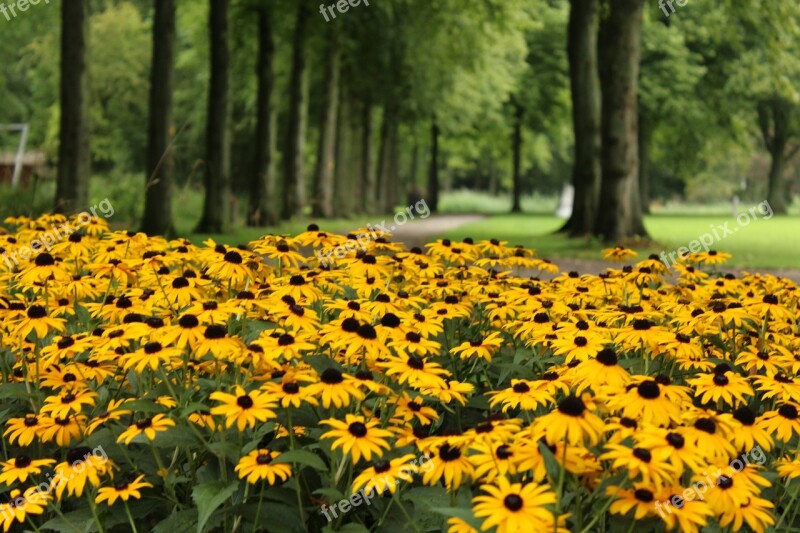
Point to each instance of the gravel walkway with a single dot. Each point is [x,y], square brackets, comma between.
[419,232]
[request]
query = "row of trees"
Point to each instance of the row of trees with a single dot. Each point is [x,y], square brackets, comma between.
[300,115]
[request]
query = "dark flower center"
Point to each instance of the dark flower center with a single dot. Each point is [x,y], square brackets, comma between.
[245,401]
[291,388]
[152,347]
[788,411]
[78,454]
[521,387]
[581,341]
[36,311]
[381,466]
[144,423]
[512,502]
[721,380]
[22,461]
[365,331]
[724,482]
[572,406]
[233,257]
[648,390]
[745,416]
[707,425]
[642,454]
[607,357]
[215,331]
[416,363]
[642,324]
[188,321]
[331,376]
[676,440]
[449,453]
[264,458]
[285,340]
[643,495]
[503,451]
[357,429]
[44,259]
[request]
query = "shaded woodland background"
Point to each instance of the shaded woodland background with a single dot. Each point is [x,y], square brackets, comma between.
[246,111]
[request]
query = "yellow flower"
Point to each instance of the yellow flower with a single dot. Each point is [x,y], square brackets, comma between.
[123,490]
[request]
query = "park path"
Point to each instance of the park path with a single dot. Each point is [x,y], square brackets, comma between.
[419,232]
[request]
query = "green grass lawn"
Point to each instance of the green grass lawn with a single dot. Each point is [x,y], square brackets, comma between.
[772,243]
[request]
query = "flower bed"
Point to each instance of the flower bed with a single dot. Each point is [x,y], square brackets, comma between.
[155,385]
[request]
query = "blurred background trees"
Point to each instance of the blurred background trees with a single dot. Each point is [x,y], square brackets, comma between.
[210,114]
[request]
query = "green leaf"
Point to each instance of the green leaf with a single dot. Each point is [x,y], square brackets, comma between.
[80,519]
[550,461]
[177,522]
[145,406]
[302,457]
[14,390]
[208,497]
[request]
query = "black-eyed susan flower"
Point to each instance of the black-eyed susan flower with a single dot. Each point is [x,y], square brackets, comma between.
[21,505]
[572,422]
[122,490]
[80,468]
[149,427]
[20,467]
[483,347]
[783,422]
[260,465]
[357,437]
[335,388]
[24,429]
[244,408]
[651,467]
[511,507]
[37,321]
[450,463]
[386,474]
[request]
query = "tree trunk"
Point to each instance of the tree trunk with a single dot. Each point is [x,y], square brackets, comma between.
[294,178]
[157,218]
[619,215]
[74,156]
[216,208]
[775,122]
[585,91]
[516,194]
[344,184]
[261,210]
[433,170]
[644,163]
[412,172]
[367,177]
[326,156]
[387,145]
[776,195]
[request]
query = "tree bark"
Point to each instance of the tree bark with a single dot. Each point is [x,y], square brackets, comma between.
[619,213]
[326,155]
[644,162]
[775,122]
[216,208]
[344,183]
[387,145]
[367,177]
[261,210]
[74,156]
[157,218]
[294,178]
[585,91]
[519,112]
[433,170]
